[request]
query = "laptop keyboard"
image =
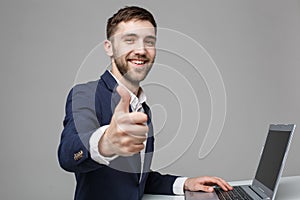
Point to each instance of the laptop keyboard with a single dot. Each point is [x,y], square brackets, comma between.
[236,194]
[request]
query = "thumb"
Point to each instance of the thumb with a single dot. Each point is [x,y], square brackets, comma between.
[206,188]
[123,105]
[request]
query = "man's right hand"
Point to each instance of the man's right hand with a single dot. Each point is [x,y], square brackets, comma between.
[126,132]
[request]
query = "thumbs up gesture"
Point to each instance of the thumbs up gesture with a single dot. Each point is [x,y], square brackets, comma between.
[126,132]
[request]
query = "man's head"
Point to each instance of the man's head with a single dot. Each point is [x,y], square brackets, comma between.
[127,14]
[131,38]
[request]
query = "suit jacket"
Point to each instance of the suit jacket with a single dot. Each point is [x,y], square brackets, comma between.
[88,107]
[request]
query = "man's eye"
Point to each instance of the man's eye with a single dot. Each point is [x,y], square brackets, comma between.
[150,43]
[129,41]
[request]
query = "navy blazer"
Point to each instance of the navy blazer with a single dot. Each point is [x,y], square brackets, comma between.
[90,106]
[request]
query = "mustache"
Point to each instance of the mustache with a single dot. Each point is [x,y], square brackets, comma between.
[138,57]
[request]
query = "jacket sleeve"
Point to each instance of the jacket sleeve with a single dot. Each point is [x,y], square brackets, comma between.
[160,184]
[79,124]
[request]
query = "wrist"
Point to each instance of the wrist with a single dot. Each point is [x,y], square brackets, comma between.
[104,146]
[185,185]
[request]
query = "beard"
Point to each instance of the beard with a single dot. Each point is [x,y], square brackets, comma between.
[133,74]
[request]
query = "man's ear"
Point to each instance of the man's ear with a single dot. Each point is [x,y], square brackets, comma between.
[108,48]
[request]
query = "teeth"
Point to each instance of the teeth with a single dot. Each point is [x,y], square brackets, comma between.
[138,62]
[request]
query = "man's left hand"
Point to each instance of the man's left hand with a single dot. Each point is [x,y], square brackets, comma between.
[206,184]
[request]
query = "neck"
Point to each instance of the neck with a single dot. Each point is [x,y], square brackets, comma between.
[133,87]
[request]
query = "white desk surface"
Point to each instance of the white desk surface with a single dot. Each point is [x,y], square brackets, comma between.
[289,189]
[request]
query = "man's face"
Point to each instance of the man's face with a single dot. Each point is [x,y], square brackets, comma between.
[133,49]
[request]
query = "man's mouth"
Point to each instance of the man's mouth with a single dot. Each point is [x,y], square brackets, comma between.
[137,62]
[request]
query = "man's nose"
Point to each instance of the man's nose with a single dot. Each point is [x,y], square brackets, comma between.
[140,48]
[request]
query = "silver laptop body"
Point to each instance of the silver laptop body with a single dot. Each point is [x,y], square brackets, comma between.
[269,170]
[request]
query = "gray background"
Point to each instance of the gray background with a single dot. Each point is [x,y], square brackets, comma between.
[255,45]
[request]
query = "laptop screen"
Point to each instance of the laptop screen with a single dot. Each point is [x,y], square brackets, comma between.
[272,156]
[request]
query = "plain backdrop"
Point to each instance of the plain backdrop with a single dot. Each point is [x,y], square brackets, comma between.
[251,50]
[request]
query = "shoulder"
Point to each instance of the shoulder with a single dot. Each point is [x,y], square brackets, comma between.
[82,95]
[105,83]
[85,88]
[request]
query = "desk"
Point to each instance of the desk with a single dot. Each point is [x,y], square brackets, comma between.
[289,189]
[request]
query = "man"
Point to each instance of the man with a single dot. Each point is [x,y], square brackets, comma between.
[107,139]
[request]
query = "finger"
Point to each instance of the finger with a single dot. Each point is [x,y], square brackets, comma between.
[134,118]
[133,149]
[137,130]
[205,188]
[129,146]
[226,186]
[138,118]
[124,102]
[222,184]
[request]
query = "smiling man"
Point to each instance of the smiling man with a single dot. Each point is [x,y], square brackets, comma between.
[107,139]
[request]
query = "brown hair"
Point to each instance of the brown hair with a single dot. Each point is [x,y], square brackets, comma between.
[126,14]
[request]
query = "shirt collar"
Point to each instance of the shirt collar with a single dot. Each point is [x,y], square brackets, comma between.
[135,101]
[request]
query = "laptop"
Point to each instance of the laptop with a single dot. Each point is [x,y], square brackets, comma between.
[268,173]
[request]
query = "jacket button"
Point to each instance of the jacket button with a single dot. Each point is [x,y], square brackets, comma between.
[78,155]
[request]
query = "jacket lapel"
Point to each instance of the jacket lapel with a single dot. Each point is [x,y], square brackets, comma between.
[149,145]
